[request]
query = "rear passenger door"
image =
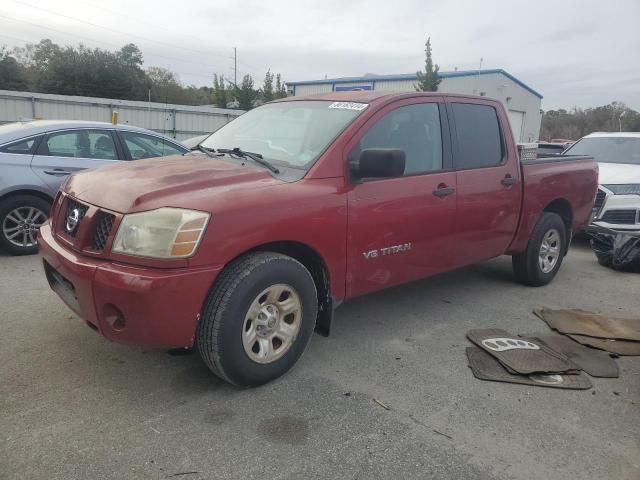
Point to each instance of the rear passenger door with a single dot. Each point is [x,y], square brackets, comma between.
[400,229]
[65,152]
[488,181]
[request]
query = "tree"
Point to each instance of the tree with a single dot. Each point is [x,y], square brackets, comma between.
[245,93]
[281,88]
[579,122]
[428,80]
[165,85]
[267,87]
[220,97]
[12,74]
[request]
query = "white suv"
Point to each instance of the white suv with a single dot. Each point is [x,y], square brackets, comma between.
[617,204]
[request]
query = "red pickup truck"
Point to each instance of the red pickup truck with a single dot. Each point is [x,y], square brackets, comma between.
[246,246]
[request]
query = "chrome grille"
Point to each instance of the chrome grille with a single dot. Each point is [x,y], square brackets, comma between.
[103,229]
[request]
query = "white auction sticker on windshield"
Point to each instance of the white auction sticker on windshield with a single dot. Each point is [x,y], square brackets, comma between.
[349,106]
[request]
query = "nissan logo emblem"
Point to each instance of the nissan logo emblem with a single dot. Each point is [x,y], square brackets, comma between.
[72,220]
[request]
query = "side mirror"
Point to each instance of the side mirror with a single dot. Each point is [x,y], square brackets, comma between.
[378,163]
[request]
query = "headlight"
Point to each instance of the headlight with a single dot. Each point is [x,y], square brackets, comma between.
[162,233]
[624,189]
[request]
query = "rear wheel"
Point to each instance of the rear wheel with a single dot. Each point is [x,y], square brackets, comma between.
[258,318]
[540,262]
[20,219]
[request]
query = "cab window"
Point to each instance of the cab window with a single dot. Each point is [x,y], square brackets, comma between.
[415,129]
[478,136]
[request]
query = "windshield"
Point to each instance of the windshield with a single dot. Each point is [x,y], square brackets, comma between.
[608,149]
[289,133]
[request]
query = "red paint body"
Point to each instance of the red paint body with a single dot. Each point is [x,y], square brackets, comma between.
[340,220]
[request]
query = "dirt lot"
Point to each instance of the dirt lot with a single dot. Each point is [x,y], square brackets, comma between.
[73,405]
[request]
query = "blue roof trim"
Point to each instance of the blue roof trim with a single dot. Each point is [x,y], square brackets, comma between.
[413,76]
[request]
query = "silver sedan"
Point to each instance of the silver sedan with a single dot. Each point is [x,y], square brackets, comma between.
[36,156]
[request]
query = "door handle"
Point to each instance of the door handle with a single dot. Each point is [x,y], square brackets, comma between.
[443,190]
[58,172]
[508,180]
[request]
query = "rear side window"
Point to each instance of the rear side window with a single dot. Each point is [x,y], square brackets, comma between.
[478,136]
[80,144]
[147,146]
[23,147]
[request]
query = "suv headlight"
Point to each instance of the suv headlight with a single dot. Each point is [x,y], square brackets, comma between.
[624,189]
[161,233]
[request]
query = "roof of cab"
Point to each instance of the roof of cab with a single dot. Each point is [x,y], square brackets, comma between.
[363,96]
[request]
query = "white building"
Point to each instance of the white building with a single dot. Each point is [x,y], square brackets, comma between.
[521,101]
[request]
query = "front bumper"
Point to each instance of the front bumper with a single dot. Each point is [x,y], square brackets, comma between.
[137,305]
[617,212]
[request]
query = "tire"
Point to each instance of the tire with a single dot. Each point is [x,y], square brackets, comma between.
[229,318]
[20,218]
[527,266]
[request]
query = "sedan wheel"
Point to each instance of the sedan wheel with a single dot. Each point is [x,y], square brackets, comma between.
[20,226]
[21,217]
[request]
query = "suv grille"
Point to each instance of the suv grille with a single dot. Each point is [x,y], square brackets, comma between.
[71,206]
[103,229]
[620,216]
[600,196]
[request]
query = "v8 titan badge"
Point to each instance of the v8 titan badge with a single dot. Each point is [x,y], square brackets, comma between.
[371,254]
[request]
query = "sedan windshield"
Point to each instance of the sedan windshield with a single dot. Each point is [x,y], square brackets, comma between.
[287,133]
[608,149]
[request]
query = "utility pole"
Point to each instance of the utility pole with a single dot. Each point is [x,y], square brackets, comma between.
[235,66]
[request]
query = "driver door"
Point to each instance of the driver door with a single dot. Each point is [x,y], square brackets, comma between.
[400,229]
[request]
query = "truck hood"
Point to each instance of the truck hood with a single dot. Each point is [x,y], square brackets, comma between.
[616,173]
[176,181]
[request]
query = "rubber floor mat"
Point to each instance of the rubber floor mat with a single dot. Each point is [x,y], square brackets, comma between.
[619,347]
[519,354]
[486,367]
[594,362]
[580,322]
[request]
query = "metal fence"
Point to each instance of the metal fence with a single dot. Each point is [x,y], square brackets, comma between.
[177,121]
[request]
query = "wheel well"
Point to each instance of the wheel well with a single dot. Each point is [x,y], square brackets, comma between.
[35,193]
[561,207]
[313,262]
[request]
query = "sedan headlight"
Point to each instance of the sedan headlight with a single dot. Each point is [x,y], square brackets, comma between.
[624,189]
[161,233]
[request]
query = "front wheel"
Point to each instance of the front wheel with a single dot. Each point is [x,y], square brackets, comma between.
[540,262]
[258,318]
[20,219]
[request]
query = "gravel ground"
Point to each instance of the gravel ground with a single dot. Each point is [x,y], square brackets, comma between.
[73,405]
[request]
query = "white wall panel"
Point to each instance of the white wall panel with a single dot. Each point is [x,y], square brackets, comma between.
[190,121]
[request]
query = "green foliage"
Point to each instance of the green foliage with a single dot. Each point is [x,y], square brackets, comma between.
[579,122]
[267,87]
[245,94]
[93,72]
[12,74]
[220,93]
[428,80]
[281,88]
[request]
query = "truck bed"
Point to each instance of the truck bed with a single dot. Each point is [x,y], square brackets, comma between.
[543,178]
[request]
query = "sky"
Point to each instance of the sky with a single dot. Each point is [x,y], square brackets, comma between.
[574,52]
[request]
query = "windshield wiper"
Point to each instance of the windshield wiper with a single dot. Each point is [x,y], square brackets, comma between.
[256,157]
[209,151]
